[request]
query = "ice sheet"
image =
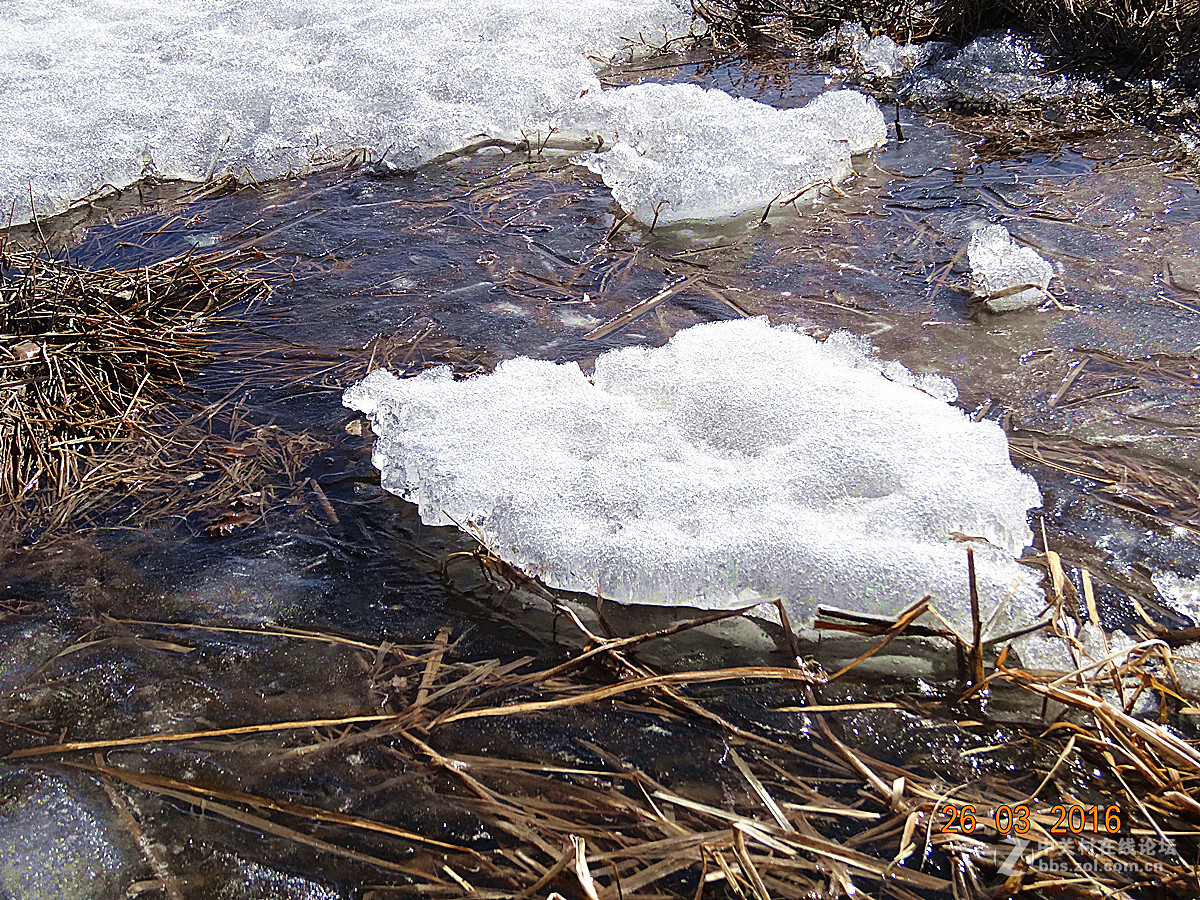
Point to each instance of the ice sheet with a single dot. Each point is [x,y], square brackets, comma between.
[95,92]
[57,840]
[738,462]
[1000,267]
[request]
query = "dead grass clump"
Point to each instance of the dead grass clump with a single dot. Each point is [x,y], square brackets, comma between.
[1142,38]
[790,806]
[84,353]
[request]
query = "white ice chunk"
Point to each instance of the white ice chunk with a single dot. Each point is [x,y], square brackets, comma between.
[679,152]
[96,89]
[739,461]
[1182,593]
[851,117]
[1000,267]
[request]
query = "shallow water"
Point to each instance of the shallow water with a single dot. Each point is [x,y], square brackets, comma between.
[495,256]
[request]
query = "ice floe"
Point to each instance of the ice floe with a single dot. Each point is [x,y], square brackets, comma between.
[679,152]
[740,461]
[1004,274]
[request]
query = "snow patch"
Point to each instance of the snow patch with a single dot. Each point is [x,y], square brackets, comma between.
[101,93]
[738,462]
[96,91]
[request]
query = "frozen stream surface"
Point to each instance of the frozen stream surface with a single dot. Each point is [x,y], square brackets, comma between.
[517,258]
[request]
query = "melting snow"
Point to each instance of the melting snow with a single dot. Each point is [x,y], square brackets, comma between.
[678,152]
[738,462]
[94,90]
[101,92]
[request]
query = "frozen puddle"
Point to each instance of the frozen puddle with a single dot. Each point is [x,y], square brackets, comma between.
[99,95]
[737,463]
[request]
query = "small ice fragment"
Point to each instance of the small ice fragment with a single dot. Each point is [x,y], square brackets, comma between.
[1183,594]
[880,56]
[1000,268]
[869,57]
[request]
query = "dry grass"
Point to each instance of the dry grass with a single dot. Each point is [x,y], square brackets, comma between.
[86,355]
[1106,38]
[804,812]
[1148,34]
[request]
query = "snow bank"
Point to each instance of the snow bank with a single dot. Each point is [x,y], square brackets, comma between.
[1000,267]
[738,462]
[853,48]
[101,93]
[94,91]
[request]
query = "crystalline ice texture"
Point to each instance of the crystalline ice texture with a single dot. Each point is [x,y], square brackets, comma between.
[738,462]
[999,267]
[999,68]
[1182,593]
[58,841]
[93,93]
[879,57]
[679,152]
[93,90]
